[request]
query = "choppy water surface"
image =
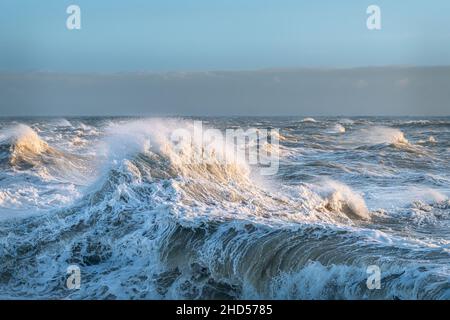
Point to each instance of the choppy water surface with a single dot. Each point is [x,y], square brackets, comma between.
[111,196]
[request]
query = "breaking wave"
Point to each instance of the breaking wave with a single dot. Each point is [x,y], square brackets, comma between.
[310,120]
[378,138]
[21,148]
[337,128]
[381,135]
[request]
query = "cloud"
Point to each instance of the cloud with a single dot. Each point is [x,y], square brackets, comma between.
[301,92]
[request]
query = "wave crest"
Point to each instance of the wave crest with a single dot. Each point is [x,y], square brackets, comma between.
[340,198]
[21,148]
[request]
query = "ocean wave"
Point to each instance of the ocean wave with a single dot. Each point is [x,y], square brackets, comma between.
[421,123]
[381,135]
[337,128]
[378,138]
[23,149]
[319,281]
[157,223]
[61,122]
[345,121]
[430,141]
[339,197]
[310,120]
[36,176]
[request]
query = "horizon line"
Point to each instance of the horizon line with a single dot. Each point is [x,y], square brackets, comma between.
[266,69]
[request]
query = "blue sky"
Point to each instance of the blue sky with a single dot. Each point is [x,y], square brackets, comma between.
[171,35]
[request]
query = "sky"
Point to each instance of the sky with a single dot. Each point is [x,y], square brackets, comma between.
[216,57]
[195,35]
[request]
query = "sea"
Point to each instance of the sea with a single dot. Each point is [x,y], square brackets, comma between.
[114,208]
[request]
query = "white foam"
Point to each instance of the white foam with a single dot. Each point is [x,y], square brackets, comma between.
[346,121]
[379,135]
[337,128]
[61,122]
[341,198]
